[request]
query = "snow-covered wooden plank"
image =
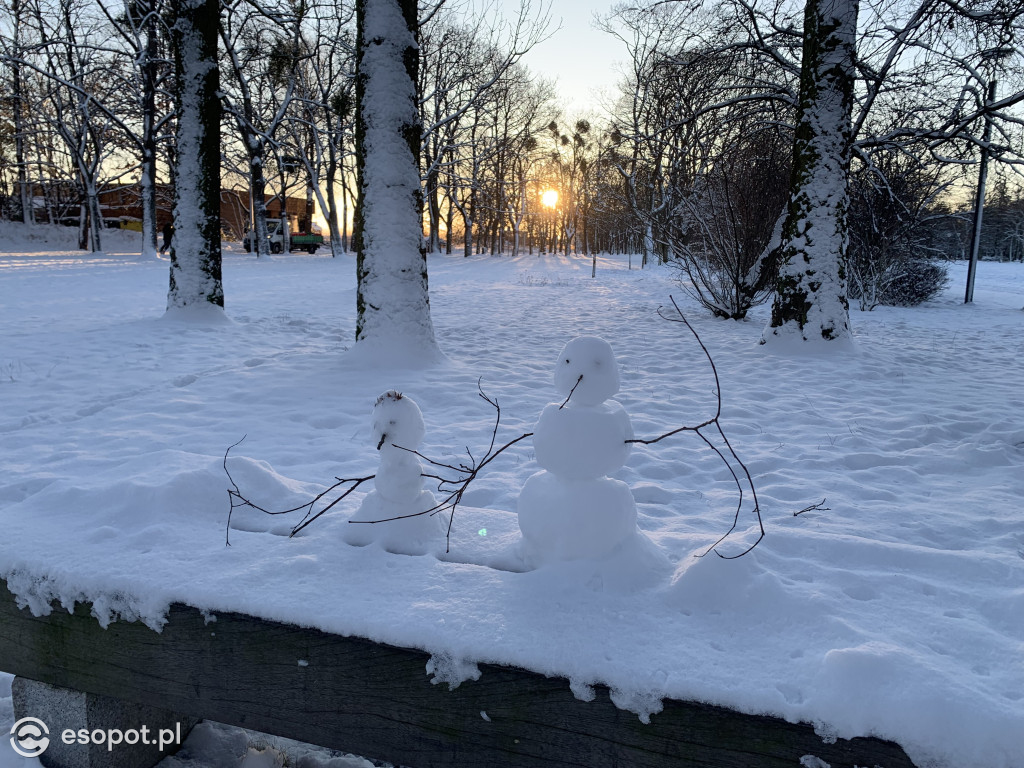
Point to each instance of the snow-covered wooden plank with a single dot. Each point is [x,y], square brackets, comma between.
[355,695]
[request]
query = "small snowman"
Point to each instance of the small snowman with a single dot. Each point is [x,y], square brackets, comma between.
[572,510]
[397,425]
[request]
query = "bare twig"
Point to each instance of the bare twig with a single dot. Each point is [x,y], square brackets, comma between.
[236,500]
[814,507]
[566,401]
[454,488]
[720,453]
[309,517]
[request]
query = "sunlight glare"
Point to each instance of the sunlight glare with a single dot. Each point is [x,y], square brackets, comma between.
[550,198]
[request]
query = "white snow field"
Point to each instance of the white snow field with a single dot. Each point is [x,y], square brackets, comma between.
[896,610]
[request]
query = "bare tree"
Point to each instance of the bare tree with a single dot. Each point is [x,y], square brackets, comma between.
[470,61]
[77,70]
[140,27]
[918,83]
[320,124]
[12,51]
[264,48]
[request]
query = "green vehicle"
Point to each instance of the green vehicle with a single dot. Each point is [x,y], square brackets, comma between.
[297,241]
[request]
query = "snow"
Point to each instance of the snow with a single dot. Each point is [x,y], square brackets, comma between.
[399,515]
[570,519]
[895,608]
[571,509]
[587,370]
[581,442]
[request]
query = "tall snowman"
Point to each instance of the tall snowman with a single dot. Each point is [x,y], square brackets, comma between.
[572,509]
[397,424]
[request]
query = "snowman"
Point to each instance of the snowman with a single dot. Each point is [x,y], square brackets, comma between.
[397,425]
[571,509]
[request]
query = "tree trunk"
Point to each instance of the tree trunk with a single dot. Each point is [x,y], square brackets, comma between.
[258,187]
[434,211]
[83,225]
[24,188]
[332,202]
[392,299]
[195,249]
[92,200]
[449,220]
[147,177]
[811,301]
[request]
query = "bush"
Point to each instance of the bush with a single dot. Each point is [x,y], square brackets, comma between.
[917,282]
[904,283]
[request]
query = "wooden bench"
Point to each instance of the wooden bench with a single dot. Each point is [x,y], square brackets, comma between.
[358,696]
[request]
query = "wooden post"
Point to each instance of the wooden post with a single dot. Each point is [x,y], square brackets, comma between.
[354,695]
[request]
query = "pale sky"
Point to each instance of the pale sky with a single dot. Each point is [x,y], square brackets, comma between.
[583,59]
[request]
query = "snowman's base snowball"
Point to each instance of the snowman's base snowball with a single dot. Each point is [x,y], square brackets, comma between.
[408,536]
[583,442]
[570,520]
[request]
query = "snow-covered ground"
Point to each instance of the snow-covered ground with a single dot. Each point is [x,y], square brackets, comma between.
[897,611]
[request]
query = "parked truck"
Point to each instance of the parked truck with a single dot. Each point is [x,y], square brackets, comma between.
[297,241]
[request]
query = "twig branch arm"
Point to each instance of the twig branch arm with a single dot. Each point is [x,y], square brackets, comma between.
[722,455]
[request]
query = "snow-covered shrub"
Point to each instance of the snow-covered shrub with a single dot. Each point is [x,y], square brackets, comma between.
[917,281]
[904,282]
[892,232]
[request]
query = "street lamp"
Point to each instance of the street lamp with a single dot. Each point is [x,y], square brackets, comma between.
[991,54]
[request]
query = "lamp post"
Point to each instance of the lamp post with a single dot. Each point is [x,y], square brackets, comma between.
[993,55]
[979,197]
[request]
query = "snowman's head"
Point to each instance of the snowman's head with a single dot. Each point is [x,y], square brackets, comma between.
[593,359]
[397,420]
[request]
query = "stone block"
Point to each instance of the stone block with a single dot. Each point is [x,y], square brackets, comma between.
[103,732]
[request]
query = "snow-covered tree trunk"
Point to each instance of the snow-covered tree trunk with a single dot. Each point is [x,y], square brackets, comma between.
[648,248]
[147,195]
[392,303]
[195,249]
[95,217]
[18,113]
[149,64]
[811,301]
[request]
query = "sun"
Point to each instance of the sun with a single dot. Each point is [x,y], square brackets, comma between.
[550,198]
